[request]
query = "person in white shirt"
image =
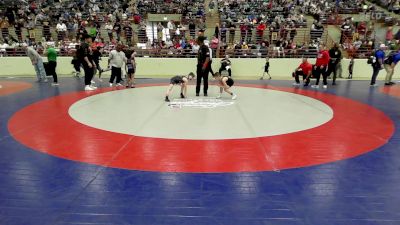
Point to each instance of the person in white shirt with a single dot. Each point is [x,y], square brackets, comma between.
[109,29]
[116,60]
[61,30]
[124,16]
[170,26]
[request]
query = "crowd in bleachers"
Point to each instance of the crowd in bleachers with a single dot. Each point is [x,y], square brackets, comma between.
[247,28]
[391,5]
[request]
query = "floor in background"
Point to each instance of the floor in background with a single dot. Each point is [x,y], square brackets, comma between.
[275,155]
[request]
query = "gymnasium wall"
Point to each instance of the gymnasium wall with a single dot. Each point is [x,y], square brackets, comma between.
[165,67]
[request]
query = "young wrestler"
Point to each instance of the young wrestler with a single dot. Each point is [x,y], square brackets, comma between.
[179,80]
[225,82]
[266,69]
[130,69]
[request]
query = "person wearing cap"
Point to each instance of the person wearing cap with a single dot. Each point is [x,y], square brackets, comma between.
[85,55]
[37,62]
[52,63]
[203,60]
[377,63]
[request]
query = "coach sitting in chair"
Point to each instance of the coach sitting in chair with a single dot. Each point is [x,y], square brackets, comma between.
[304,70]
[226,64]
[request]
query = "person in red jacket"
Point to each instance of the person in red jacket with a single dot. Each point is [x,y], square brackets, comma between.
[260,31]
[304,70]
[321,66]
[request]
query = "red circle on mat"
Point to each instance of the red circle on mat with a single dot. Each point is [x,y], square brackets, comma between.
[356,128]
[11,87]
[391,90]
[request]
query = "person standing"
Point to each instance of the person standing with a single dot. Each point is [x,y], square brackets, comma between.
[266,69]
[116,60]
[52,64]
[377,63]
[37,63]
[351,67]
[61,30]
[216,30]
[203,59]
[109,28]
[390,63]
[128,31]
[335,56]
[97,54]
[232,29]
[322,66]
[130,67]
[85,56]
[211,58]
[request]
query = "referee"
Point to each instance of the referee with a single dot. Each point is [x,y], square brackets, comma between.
[203,60]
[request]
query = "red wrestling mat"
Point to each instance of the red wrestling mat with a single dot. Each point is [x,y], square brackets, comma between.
[355,129]
[11,87]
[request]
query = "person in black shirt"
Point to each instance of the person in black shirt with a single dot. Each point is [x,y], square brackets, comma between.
[336,55]
[117,29]
[179,80]
[18,29]
[86,57]
[266,69]
[128,33]
[232,28]
[203,59]
[226,64]
[46,30]
[192,29]
[224,83]
[97,54]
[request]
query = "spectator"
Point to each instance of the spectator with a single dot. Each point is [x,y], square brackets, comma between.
[61,30]
[160,29]
[109,28]
[260,31]
[192,29]
[4,26]
[232,29]
[389,35]
[128,31]
[216,30]
[117,28]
